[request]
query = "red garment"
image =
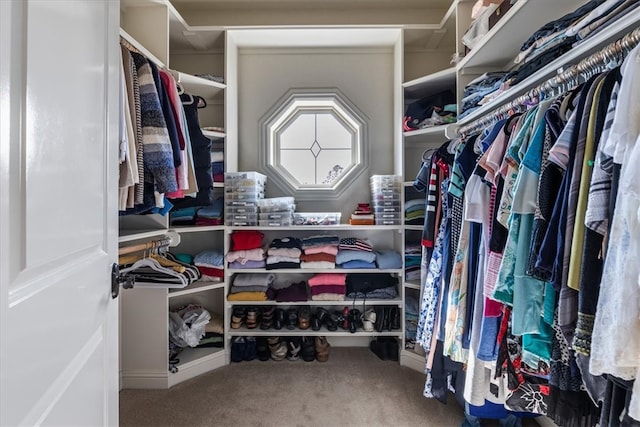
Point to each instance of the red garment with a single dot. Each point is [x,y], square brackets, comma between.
[210,271]
[244,240]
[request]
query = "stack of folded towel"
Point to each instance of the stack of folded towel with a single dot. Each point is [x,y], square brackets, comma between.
[412,261]
[355,253]
[211,265]
[319,252]
[246,250]
[284,253]
[328,286]
[250,286]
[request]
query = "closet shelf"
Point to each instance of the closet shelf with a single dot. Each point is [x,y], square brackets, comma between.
[310,332]
[311,270]
[195,287]
[412,285]
[197,229]
[132,235]
[195,85]
[213,134]
[430,83]
[610,34]
[143,50]
[420,136]
[346,302]
[499,46]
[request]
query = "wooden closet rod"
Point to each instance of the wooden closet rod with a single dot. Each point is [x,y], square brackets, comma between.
[170,240]
[614,53]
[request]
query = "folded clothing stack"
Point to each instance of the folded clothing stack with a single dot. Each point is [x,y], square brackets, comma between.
[363,215]
[319,252]
[246,250]
[354,252]
[328,286]
[217,165]
[250,286]
[371,286]
[284,253]
[414,212]
[211,215]
[184,216]
[432,110]
[412,261]
[210,264]
[411,312]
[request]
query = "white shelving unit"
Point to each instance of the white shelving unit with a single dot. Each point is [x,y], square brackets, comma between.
[382,237]
[156,29]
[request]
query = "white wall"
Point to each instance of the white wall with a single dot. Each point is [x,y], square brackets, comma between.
[365,76]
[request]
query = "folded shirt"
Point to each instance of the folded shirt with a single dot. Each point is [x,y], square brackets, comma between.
[390,292]
[237,289]
[356,263]
[354,243]
[328,297]
[243,256]
[274,259]
[310,241]
[246,240]
[326,249]
[211,258]
[285,252]
[253,279]
[328,289]
[350,255]
[328,279]
[367,282]
[295,293]
[247,296]
[286,242]
[248,264]
[319,257]
[285,280]
[318,265]
[282,265]
[388,260]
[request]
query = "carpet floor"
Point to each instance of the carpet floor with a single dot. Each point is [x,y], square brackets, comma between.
[353,388]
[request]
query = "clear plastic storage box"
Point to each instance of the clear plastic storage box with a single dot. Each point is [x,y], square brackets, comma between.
[316,218]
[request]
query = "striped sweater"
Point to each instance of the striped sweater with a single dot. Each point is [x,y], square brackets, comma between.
[158,154]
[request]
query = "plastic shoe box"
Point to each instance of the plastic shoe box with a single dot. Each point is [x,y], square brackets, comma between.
[248,197]
[253,178]
[243,217]
[241,209]
[316,218]
[386,209]
[282,222]
[277,204]
[239,223]
[276,215]
[388,221]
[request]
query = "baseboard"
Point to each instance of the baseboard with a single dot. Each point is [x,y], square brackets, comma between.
[145,379]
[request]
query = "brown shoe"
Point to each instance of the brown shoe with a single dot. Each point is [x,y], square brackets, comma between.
[322,349]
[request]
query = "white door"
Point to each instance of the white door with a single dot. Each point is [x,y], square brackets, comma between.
[58,220]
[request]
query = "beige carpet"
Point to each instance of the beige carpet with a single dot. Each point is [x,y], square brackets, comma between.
[354,388]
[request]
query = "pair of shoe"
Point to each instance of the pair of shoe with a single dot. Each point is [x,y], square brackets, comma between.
[293,348]
[368,320]
[387,318]
[319,318]
[238,317]
[278,348]
[322,347]
[252,318]
[266,318]
[308,349]
[386,348]
[243,348]
[262,349]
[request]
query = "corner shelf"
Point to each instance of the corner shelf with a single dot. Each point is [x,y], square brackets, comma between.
[347,302]
[420,135]
[195,287]
[214,134]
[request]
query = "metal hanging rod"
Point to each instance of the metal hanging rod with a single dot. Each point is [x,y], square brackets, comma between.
[613,54]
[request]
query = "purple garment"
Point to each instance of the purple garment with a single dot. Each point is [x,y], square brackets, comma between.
[294,293]
[248,264]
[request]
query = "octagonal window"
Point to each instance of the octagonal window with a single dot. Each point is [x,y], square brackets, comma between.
[314,140]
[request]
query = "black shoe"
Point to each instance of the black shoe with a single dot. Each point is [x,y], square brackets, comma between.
[380,316]
[395,318]
[266,320]
[262,349]
[308,350]
[238,347]
[391,347]
[250,350]
[322,314]
[378,348]
[292,318]
[278,319]
[386,325]
[355,321]
[293,348]
[315,323]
